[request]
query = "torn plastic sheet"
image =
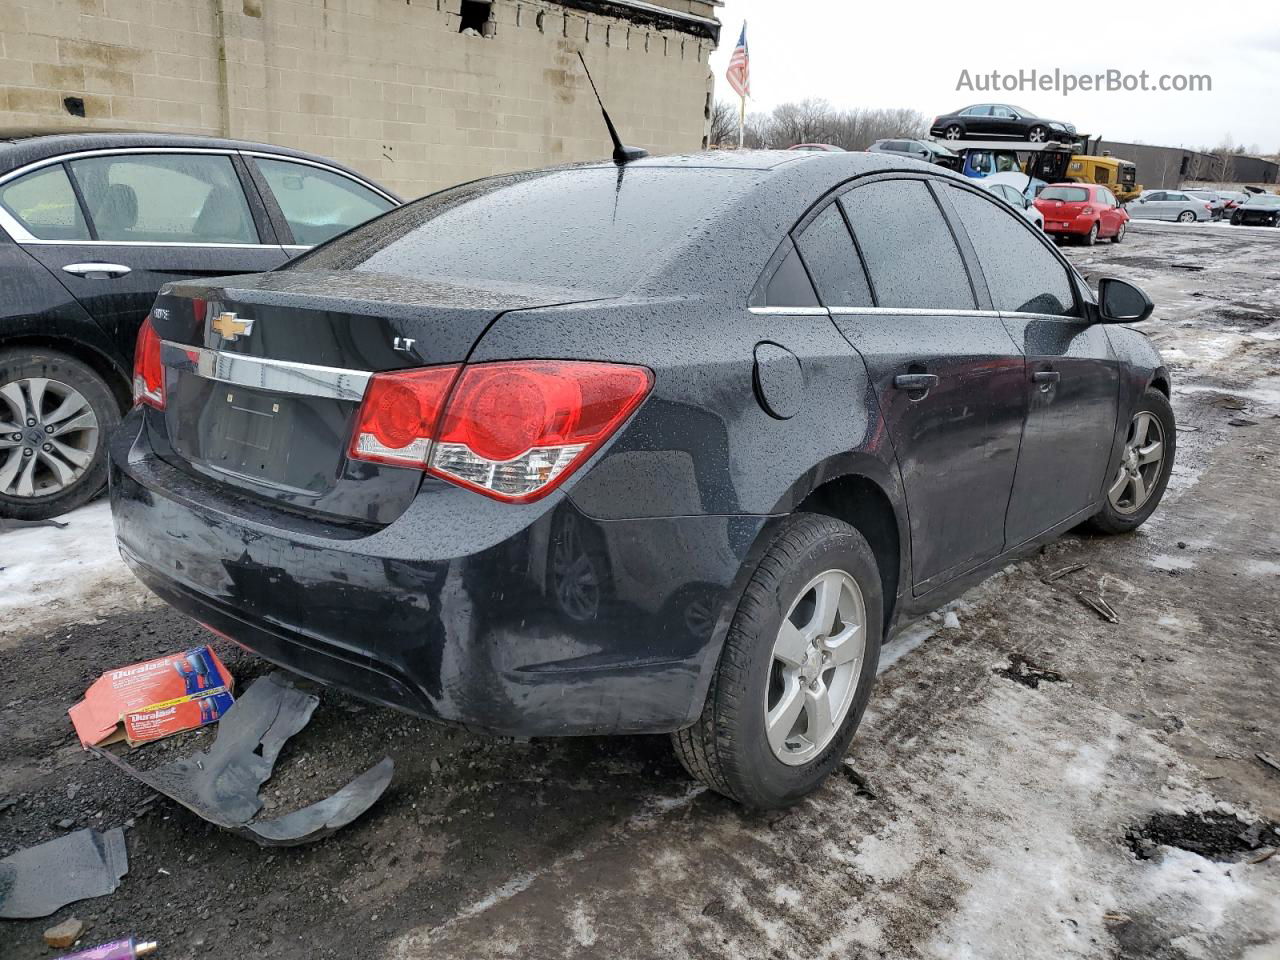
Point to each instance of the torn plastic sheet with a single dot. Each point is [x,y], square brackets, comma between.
[221,785]
[40,880]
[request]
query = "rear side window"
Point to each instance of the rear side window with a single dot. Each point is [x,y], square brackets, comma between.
[317,203]
[1022,274]
[789,286]
[44,203]
[829,254]
[909,251]
[165,198]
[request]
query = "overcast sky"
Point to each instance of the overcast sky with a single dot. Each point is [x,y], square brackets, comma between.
[899,54]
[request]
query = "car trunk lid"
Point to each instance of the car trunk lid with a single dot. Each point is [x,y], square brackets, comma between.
[264,376]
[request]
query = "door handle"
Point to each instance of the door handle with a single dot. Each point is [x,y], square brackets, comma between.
[94,270]
[1046,378]
[916,381]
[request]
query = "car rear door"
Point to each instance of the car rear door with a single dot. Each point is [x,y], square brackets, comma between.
[311,202]
[153,216]
[948,378]
[1072,381]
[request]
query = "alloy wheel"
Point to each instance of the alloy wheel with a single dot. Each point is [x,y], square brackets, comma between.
[1036,135]
[48,436]
[952,133]
[1140,465]
[816,662]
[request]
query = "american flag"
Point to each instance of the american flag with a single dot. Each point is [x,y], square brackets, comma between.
[739,74]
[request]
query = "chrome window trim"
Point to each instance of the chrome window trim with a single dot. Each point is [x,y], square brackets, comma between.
[789,311]
[261,373]
[912,312]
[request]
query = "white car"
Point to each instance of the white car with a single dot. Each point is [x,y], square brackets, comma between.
[1014,198]
[1215,200]
[1170,205]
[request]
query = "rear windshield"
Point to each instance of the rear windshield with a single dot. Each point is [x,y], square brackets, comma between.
[1065,194]
[583,229]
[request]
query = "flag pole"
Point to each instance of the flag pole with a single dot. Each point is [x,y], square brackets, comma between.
[742,121]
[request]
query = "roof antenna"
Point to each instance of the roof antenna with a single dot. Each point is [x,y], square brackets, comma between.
[622,154]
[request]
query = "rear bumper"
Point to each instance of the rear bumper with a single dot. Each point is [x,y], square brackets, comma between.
[534,621]
[1076,226]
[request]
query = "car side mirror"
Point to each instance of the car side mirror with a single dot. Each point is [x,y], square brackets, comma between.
[1119,301]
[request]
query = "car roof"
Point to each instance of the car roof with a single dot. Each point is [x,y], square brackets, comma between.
[22,146]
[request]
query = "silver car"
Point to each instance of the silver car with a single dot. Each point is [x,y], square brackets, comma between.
[1016,199]
[1169,205]
[1214,199]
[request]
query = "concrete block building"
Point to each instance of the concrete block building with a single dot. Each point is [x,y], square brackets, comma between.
[418,94]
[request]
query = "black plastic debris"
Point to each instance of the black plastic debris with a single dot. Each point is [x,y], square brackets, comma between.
[40,880]
[221,785]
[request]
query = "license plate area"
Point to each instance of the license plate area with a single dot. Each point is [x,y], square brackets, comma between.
[289,443]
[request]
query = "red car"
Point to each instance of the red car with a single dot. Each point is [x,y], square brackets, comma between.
[1084,210]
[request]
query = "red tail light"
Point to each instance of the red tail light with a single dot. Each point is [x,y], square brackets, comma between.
[1209,207]
[148,373]
[1086,211]
[512,430]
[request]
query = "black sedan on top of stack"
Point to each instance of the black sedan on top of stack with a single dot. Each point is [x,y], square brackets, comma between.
[91,226]
[999,121]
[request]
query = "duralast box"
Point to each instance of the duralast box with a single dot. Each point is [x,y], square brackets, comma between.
[148,701]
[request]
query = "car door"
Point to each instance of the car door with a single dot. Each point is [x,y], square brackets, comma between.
[153,216]
[947,376]
[1004,122]
[977,119]
[1112,217]
[311,202]
[1072,382]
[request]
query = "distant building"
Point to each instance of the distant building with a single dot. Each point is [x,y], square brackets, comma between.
[1169,167]
[418,94]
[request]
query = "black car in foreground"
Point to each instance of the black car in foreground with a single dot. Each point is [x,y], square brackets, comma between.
[1261,209]
[925,150]
[91,226]
[985,121]
[664,447]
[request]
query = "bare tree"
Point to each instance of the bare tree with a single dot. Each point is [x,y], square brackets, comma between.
[724,125]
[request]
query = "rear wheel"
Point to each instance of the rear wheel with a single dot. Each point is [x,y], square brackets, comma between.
[953,132]
[796,670]
[1092,236]
[1135,490]
[1186,216]
[55,415]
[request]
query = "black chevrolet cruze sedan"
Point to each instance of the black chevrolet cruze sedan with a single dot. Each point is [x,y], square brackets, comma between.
[91,226]
[664,447]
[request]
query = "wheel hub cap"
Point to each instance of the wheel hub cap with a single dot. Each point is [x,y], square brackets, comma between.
[48,435]
[817,661]
[1140,465]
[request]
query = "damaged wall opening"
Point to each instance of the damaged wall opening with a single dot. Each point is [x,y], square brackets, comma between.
[475,14]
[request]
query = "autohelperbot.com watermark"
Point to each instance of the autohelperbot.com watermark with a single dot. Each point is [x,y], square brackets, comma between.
[1066,82]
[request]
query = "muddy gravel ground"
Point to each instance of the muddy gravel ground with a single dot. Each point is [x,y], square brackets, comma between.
[1030,780]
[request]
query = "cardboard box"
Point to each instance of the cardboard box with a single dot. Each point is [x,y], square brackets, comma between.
[152,700]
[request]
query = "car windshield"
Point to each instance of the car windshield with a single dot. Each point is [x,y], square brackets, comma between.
[1265,201]
[596,229]
[1065,194]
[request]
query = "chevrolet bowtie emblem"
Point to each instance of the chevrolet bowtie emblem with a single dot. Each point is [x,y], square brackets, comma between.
[231,327]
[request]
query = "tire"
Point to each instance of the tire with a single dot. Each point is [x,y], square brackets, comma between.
[1236,219]
[71,466]
[1119,237]
[953,132]
[1187,216]
[728,748]
[1091,237]
[1115,517]
[1038,134]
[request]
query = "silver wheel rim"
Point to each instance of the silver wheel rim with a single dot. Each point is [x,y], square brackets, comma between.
[1120,232]
[1140,465]
[1037,136]
[953,133]
[815,666]
[48,436]
[1186,216]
